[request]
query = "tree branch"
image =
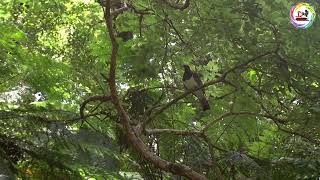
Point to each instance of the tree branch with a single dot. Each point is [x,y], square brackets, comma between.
[150,118]
[306,137]
[134,140]
[246,63]
[120,10]
[174,132]
[102,98]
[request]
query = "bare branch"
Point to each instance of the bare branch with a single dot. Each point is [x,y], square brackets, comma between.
[120,10]
[242,65]
[174,132]
[304,136]
[102,98]
[170,23]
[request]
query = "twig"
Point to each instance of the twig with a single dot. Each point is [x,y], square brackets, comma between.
[246,63]
[306,137]
[174,132]
[90,99]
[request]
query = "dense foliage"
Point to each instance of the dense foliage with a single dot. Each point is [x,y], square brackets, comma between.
[261,76]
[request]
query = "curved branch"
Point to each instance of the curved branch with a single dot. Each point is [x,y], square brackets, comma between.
[92,98]
[134,140]
[120,10]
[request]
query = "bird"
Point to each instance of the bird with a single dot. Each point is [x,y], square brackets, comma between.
[191,80]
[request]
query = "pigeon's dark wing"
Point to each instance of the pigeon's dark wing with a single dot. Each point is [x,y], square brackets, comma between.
[196,77]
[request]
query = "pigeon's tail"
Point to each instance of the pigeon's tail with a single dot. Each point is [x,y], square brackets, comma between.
[205,104]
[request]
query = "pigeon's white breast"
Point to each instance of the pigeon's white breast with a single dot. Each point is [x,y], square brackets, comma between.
[190,83]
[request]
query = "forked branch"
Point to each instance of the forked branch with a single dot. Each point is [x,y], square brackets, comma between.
[132,137]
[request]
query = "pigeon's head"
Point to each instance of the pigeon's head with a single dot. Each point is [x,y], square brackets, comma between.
[186,67]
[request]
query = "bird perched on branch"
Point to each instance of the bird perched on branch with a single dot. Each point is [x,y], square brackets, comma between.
[191,80]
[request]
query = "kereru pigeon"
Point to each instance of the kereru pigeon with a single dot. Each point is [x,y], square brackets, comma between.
[191,80]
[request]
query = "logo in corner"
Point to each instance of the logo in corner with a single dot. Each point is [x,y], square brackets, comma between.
[302,15]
